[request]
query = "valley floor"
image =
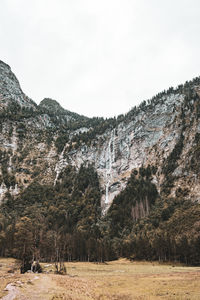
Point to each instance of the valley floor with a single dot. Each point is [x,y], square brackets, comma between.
[114,280]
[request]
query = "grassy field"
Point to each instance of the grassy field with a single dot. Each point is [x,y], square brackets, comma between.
[117,280]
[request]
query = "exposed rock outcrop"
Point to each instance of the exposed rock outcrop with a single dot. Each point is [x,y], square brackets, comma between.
[147,135]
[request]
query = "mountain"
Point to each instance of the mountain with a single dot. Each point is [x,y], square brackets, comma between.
[10,90]
[150,153]
[46,138]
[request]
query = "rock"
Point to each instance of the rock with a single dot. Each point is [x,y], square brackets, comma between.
[145,137]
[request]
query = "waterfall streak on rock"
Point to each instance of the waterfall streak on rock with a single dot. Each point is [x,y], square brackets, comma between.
[110,159]
[59,165]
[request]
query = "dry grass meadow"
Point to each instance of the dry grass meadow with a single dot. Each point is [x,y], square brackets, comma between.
[117,280]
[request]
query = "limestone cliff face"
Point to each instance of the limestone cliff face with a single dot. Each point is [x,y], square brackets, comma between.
[147,135]
[10,90]
[148,139]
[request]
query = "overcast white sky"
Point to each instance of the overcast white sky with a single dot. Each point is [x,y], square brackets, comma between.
[100,57]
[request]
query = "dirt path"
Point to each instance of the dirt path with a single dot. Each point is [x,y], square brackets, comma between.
[35,287]
[12,292]
[26,288]
[48,287]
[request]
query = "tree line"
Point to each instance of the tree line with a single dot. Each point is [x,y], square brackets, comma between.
[64,223]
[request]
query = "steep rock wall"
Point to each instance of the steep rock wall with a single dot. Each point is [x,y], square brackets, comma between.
[28,150]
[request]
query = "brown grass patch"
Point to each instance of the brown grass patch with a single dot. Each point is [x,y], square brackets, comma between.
[117,280]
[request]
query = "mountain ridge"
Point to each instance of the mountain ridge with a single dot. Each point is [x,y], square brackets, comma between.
[112,145]
[98,189]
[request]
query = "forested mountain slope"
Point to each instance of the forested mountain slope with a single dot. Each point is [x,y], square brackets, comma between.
[96,188]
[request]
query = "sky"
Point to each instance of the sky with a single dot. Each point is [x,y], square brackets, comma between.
[100,58]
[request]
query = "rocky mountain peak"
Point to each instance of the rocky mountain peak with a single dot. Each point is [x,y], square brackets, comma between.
[4,66]
[52,106]
[10,90]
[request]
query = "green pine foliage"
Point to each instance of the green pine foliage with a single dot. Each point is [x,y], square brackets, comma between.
[64,222]
[57,214]
[139,192]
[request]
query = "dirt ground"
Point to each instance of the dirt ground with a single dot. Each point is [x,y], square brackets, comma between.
[118,280]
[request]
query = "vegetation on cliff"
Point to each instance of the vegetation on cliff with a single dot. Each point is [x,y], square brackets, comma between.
[64,222]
